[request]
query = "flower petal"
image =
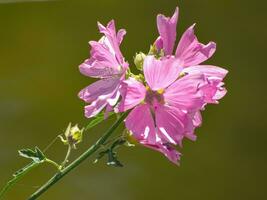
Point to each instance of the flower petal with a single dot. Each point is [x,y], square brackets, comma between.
[141,124]
[184,93]
[167,30]
[213,90]
[159,74]
[167,150]
[114,40]
[132,92]
[190,51]
[207,70]
[102,63]
[173,124]
[94,108]
[102,89]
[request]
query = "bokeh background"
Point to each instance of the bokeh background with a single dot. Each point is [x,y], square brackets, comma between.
[41,45]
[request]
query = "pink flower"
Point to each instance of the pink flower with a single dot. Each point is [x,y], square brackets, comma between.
[166,110]
[107,63]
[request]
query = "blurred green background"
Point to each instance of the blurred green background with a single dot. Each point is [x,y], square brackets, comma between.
[41,45]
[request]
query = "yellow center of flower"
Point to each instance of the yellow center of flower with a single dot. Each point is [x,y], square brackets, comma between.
[154,96]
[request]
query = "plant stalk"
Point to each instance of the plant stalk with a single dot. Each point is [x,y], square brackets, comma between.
[59,175]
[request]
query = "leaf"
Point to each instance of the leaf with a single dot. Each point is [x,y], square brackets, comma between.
[97,119]
[36,155]
[38,158]
[111,155]
[112,159]
[17,176]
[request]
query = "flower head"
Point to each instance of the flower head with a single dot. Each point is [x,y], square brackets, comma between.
[162,114]
[108,64]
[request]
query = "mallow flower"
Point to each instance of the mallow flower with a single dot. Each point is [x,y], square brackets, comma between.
[163,107]
[108,64]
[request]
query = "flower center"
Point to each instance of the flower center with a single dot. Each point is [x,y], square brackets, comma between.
[154,97]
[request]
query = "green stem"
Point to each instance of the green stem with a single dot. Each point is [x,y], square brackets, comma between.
[66,158]
[58,176]
[17,177]
[52,163]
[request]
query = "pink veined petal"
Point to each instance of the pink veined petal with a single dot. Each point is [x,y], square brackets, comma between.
[159,74]
[166,149]
[190,51]
[103,62]
[113,38]
[220,93]
[197,119]
[167,30]
[158,43]
[207,70]
[184,93]
[120,35]
[94,108]
[112,101]
[132,92]
[213,90]
[141,124]
[102,89]
[172,123]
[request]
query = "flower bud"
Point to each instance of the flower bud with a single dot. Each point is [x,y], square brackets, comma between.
[73,135]
[139,60]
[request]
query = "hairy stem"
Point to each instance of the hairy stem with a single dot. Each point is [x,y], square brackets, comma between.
[59,175]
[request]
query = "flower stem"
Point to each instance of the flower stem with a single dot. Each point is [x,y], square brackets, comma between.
[53,163]
[66,158]
[59,175]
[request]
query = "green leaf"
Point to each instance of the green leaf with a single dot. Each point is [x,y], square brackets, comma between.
[97,119]
[38,158]
[112,159]
[17,176]
[36,155]
[111,154]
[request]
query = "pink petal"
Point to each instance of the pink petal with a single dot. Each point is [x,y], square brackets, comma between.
[213,90]
[197,119]
[141,124]
[190,51]
[158,43]
[102,89]
[167,30]
[120,35]
[94,108]
[172,123]
[159,74]
[167,150]
[132,92]
[184,93]
[113,38]
[207,70]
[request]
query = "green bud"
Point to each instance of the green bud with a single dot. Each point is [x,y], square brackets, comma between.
[73,135]
[139,60]
[155,52]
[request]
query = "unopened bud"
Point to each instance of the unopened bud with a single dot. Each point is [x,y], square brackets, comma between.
[139,60]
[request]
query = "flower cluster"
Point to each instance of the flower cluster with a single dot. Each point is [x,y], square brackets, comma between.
[167,97]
